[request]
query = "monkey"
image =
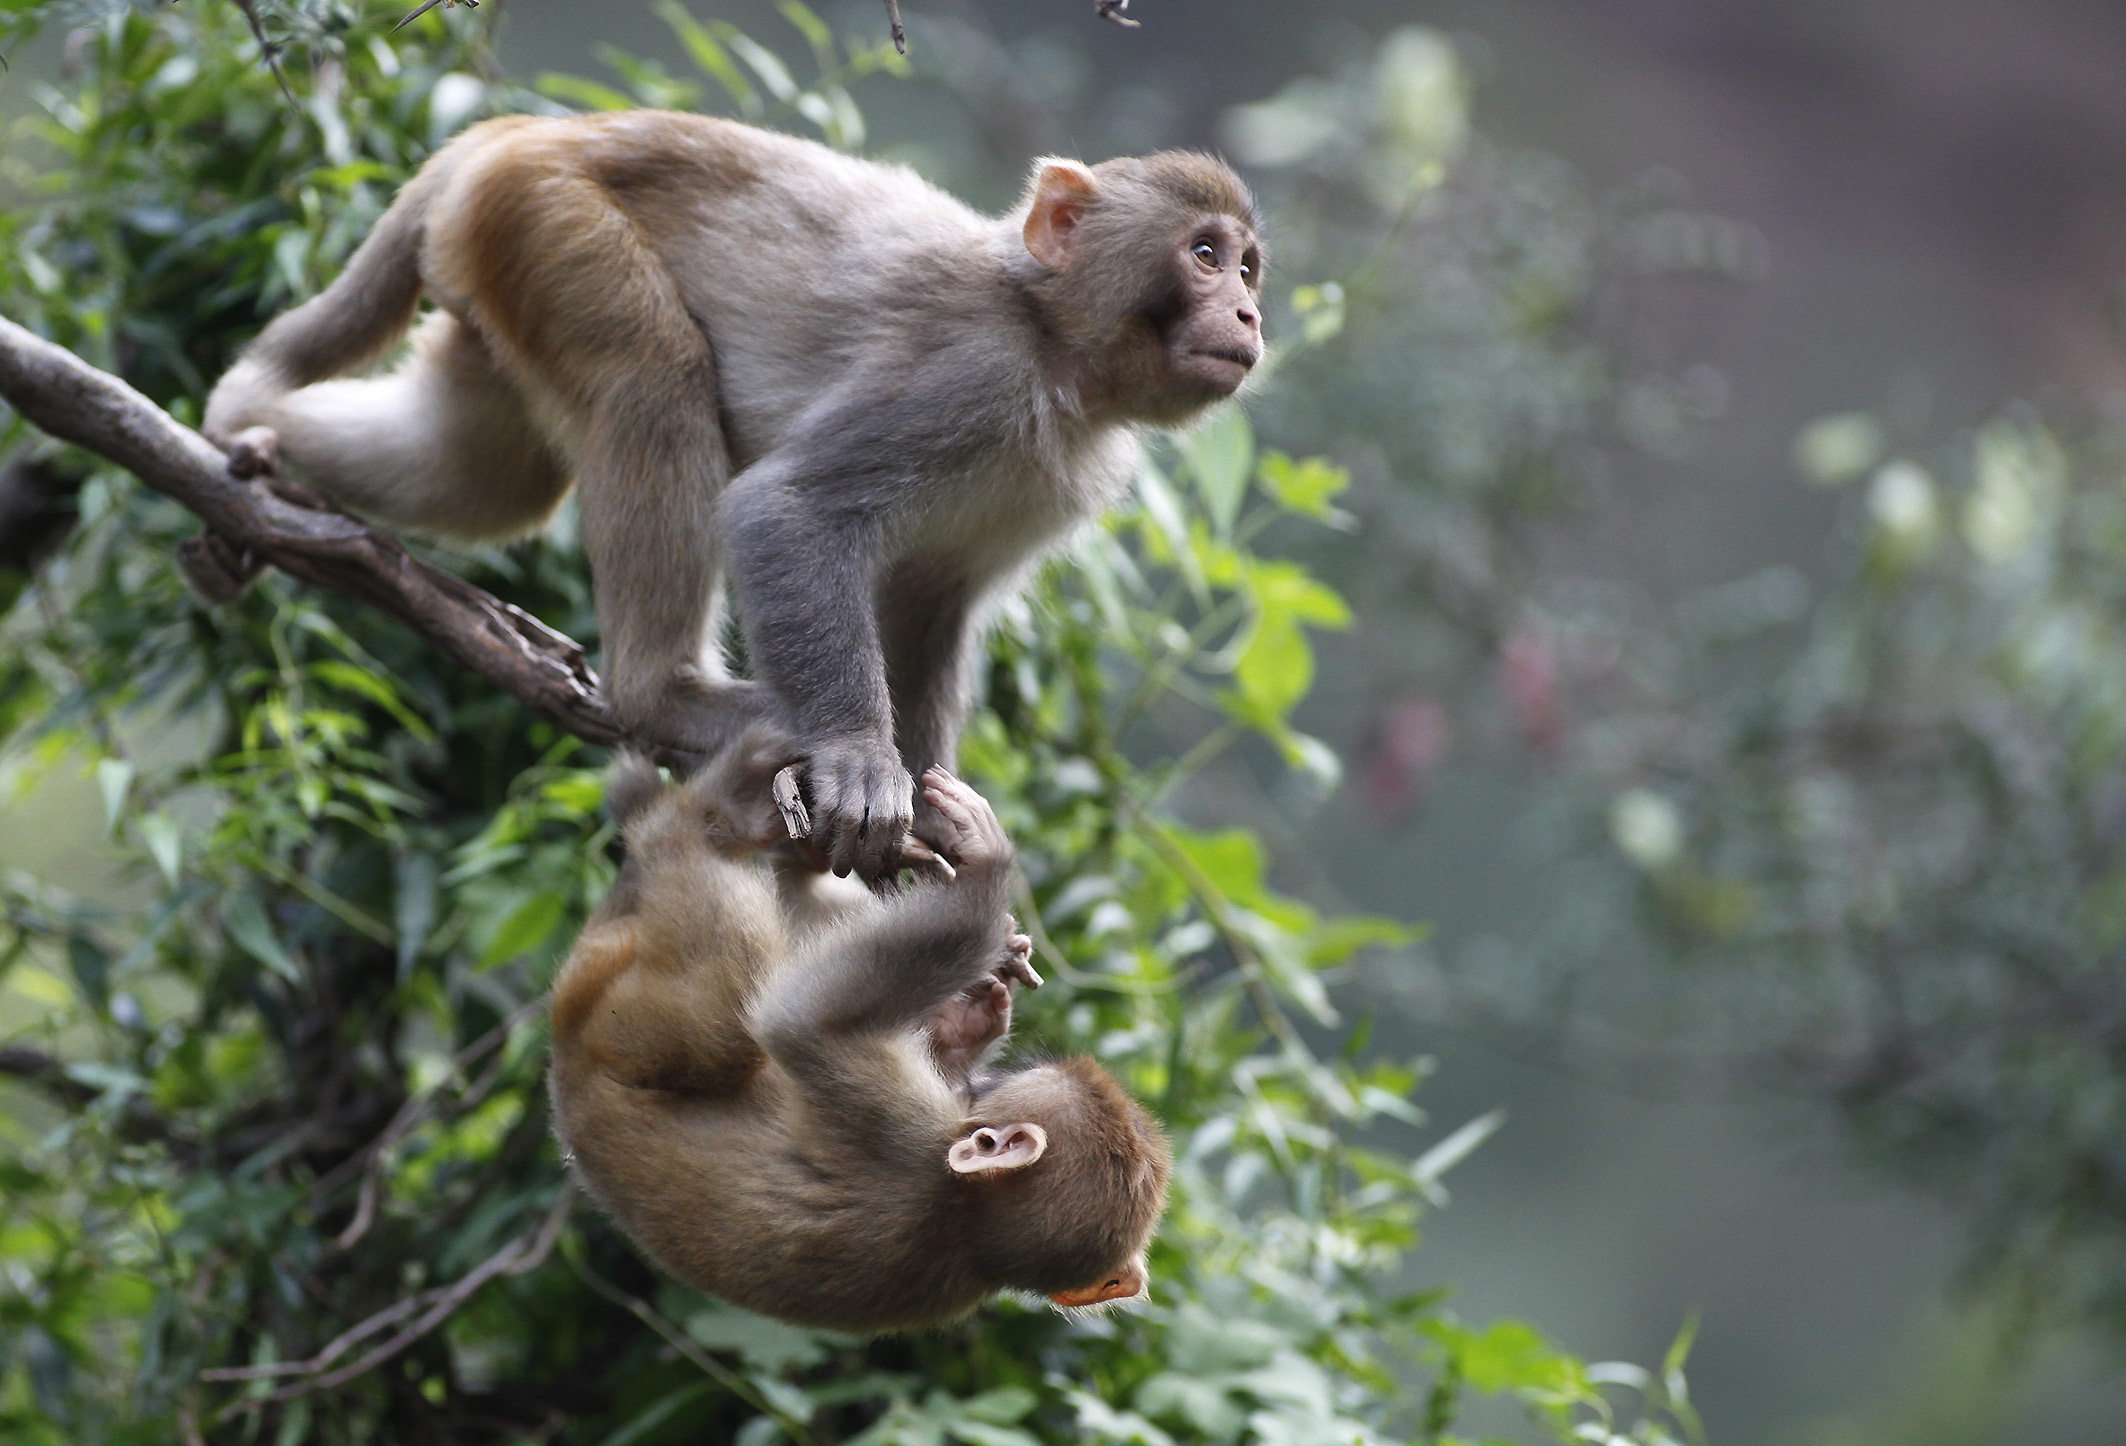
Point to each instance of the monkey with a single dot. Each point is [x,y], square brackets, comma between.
[864,406]
[789,1098]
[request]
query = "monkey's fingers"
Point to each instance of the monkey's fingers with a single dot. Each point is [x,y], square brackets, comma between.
[790,803]
[1018,963]
[955,800]
[917,855]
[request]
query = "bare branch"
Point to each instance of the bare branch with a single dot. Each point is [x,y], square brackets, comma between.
[893,22]
[520,1257]
[73,401]
[268,50]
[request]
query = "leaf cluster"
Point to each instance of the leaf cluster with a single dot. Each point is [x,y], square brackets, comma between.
[285,1171]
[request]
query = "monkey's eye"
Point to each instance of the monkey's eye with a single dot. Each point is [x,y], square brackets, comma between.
[1206,255]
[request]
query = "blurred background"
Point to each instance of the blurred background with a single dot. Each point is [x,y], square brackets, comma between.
[1737,552]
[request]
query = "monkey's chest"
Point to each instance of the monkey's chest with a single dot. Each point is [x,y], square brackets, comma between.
[1005,514]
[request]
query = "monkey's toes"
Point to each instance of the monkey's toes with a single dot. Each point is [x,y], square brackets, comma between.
[254,452]
[216,568]
[1018,963]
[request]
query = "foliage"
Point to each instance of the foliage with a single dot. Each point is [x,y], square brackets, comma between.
[1904,847]
[296,1140]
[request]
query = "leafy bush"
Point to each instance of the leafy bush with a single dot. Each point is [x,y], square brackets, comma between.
[1900,855]
[277,1161]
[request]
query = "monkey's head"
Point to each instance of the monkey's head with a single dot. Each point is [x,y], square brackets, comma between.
[1066,1175]
[1150,270]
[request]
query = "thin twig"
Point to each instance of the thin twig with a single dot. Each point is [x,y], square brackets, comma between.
[425,7]
[893,21]
[73,401]
[1112,10]
[520,1257]
[371,1157]
[267,50]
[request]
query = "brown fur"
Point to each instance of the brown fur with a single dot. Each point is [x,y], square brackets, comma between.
[872,407]
[749,1088]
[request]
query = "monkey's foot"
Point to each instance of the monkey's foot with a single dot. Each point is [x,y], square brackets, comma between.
[862,801]
[690,720]
[216,568]
[1018,963]
[255,452]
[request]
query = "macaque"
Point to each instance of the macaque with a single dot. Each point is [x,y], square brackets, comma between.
[788,1098]
[871,406]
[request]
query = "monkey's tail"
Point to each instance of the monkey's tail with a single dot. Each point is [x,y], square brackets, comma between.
[349,324]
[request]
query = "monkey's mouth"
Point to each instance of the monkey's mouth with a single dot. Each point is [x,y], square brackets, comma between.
[1238,356]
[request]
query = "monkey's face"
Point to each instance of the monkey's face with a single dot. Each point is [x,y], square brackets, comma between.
[1213,336]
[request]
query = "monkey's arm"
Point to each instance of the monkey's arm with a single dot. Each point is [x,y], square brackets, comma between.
[888,967]
[805,568]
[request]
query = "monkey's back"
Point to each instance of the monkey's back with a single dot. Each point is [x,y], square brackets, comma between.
[787,254]
[737,1196]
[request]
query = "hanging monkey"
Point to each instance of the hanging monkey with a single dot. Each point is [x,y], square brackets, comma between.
[870,406]
[789,1100]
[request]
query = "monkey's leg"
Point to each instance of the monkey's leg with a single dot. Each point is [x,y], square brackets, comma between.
[652,466]
[443,444]
[931,646]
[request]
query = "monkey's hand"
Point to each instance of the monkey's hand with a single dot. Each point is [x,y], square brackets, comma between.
[971,839]
[862,802]
[734,796]
[964,1027]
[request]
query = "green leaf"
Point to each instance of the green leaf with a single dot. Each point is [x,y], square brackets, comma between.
[1221,454]
[766,1345]
[764,63]
[812,28]
[1458,1146]
[413,907]
[710,56]
[1307,487]
[244,920]
[584,94]
[367,684]
[92,969]
[159,832]
[1338,939]
[526,928]
[1004,1405]
[114,776]
[657,1413]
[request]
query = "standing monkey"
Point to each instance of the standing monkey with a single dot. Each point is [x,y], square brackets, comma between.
[790,1104]
[872,406]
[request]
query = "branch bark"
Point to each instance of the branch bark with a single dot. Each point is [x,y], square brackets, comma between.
[73,401]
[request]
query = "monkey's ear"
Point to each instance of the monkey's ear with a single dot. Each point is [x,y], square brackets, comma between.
[1060,191]
[997,1147]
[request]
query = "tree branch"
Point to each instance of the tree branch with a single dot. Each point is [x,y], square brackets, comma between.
[73,401]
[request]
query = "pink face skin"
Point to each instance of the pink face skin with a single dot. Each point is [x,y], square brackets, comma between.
[1218,340]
